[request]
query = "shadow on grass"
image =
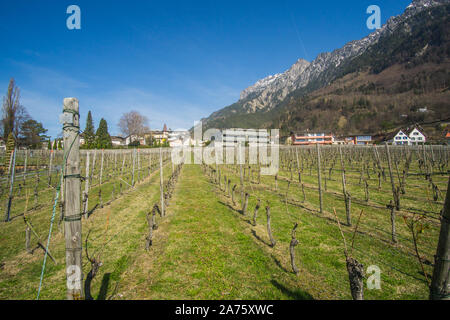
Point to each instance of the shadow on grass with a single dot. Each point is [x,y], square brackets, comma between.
[104,287]
[294,294]
[260,239]
[278,263]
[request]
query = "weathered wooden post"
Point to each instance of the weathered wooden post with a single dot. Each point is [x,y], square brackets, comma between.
[86,188]
[72,188]
[25,167]
[395,192]
[319,177]
[11,184]
[161,183]
[134,160]
[344,190]
[439,289]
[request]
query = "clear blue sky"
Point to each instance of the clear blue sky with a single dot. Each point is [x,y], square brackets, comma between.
[174,61]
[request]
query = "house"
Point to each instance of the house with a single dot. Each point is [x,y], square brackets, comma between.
[117,141]
[408,137]
[416,137]
[359,140]
[401,138]
[306,139]
[134,138]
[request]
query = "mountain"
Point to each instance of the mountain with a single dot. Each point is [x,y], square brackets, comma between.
[417,39]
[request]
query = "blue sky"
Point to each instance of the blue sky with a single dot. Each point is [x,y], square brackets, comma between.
[174,61]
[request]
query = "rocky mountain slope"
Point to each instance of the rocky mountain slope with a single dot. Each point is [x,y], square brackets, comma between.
[263,104]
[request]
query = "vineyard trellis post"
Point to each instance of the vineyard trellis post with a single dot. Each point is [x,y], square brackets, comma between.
[12,171]
[344,190]
[439,289]
[161,183]
[86,187]
[319,177]
[72,189]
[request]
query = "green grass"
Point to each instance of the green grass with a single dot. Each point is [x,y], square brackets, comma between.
[208,253]
[206,249]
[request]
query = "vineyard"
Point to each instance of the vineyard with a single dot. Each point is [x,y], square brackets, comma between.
[152,229]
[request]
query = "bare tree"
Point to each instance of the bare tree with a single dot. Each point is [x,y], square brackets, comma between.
[133,123]
[14,114]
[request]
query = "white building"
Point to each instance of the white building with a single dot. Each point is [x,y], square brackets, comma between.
[409,137]
[416,137]
[133,138]
[180,138]
[117,141]
[231,137]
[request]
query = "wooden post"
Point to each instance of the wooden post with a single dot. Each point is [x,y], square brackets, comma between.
[101,170]
[50,168]
[86,188]
[11,184]
[439,289]
[139,166]
[72,181]
[25,167]
[134,160]
[344,190]
[319,177]
[161,183]
[391,175]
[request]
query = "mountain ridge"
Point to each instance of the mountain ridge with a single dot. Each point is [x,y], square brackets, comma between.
[267,94]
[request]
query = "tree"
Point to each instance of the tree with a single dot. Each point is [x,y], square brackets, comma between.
[102,137]
[133,123]
[10,145]
[49,145]
[89,132]
[55,145]
[14,114]
[59,145]
[32,134]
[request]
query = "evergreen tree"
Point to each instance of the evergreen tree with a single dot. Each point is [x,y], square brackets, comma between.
[49,146]
[55,145]
[102,137]
[89,132]
[59,145]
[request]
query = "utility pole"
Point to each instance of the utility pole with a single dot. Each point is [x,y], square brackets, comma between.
[72,189]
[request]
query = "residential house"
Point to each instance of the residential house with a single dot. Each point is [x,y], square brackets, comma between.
[416,137]
[118,141]
[134,138]
[312,138]
[408,137]
[359,140]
